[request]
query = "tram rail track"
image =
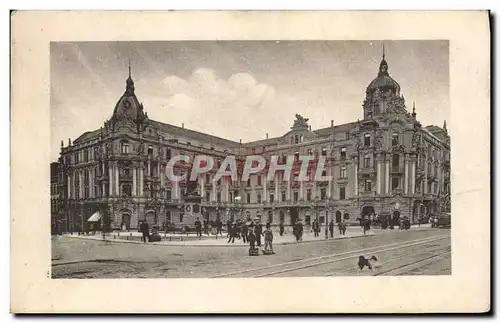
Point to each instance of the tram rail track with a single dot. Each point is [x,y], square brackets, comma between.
[296,265]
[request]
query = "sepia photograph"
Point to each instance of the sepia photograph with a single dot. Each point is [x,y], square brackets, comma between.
[182,153]
[123,114]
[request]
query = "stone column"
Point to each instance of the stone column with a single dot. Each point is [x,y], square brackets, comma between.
[277,194]
[301,190]
[329,172]
[111,180]
[80,188]
[356,189]
[387,184]
[162,175]
[141,180]
[426,171]
[70,183]
[412,190]
[226,185]
[264,183]
[134,181]
[149,168]
[379,176]
[202,186]
[117,180]
[406,173]
[91,182]
[289,188]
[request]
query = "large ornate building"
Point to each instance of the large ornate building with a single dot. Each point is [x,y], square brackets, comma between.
[385,164]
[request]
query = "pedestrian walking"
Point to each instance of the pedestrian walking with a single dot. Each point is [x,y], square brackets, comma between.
[268,238]
[331,226]
[219,226]
[251,238]
[244,231]
[144,227]
[197,225]
[282,227]
[258,233]
[232,233]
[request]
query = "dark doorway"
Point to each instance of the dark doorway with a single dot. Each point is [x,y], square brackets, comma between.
[338,216]
[125,224]
[294,215]
[395,217]
[367,210]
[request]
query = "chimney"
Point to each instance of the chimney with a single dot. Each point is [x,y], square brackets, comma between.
[183,125]
[267,135]
[331,123]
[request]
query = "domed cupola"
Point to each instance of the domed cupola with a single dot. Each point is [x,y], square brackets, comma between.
[128,108]
[383,82]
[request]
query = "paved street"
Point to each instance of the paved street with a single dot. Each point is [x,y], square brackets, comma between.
[422,251]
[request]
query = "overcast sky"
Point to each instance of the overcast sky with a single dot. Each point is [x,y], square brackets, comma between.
[240,89]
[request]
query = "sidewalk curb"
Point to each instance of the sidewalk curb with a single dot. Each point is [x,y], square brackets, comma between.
[210,245]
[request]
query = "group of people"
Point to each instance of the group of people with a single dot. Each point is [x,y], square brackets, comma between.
[215,226]
[250,232]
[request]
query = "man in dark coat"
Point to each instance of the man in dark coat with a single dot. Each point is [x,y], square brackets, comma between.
[232,232]
[197,225]
[282,227]
[331,227]
[218,223]
[244,231]
[258,233]
[251,237]
[144,227]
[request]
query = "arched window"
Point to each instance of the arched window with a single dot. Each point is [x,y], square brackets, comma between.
[367,140]
[395,139]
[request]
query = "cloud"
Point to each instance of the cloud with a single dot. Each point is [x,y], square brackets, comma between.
[206,100]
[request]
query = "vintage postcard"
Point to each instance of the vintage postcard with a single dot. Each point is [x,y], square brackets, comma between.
[339,159]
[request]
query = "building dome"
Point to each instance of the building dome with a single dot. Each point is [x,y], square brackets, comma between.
[383,81]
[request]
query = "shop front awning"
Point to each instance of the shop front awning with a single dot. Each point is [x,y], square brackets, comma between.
[95,217]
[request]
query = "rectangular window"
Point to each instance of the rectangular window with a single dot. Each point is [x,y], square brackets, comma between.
[367,140]
[322,219]
[218,196]
[249,182]
[169,153]
[208,195]
[295,196]
[150,151]
[271,198]
[395,139]
[343,172]
[248,198]
[259,198]
[367,160]
[343,153]
[323,152]
[395,183]
[323,193]
[308,195]
[230,196]
[342,193]
[283,196]
[395,161]
[259,180]
[169,195]
[368,185]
